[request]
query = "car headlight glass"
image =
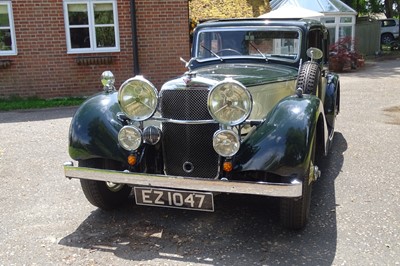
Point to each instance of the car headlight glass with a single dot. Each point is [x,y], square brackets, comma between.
[229,102]
[138,98]
[226,142]
[130,138]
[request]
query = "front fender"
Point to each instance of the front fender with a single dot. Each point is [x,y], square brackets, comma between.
[332,98]
[94,129]
[282,143]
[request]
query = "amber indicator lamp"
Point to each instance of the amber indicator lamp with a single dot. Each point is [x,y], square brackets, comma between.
[132,160]
[227,166]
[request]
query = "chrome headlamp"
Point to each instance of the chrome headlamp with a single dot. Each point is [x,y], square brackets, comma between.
[226,142]
[107,78]
[138,98]
[108,81]
[151,135]
[229,102]
[130,138]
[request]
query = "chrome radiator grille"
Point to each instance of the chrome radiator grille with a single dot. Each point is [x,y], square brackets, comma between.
[188,149]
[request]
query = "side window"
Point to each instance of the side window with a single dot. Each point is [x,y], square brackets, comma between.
[315,39]
[319,39]
[91,26]
[388,23]
[7,32]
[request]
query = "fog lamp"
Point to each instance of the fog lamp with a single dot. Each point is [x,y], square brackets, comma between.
[226,142]
[151,135]
[130,138]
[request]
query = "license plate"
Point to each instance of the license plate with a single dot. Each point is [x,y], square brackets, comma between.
[191,200]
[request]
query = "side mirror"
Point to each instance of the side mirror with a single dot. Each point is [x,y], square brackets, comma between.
[314,53]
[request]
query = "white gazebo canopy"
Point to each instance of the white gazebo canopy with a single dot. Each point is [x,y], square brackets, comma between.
[339,18]
[291,11]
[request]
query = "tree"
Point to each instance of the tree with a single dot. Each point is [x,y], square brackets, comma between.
[216,9]
[391,8]
[207,9]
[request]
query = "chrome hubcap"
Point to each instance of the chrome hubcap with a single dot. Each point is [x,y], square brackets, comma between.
[114,187]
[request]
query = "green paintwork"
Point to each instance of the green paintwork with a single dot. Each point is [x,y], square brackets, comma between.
[281,144]
[248,74]
[278,145]
[332,98]
[94,129]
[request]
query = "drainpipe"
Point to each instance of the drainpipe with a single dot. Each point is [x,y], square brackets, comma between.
[136,69]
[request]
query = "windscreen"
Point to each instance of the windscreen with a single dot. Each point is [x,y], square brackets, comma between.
[272,43]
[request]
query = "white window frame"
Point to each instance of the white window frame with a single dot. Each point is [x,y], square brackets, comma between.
[11,27]
[92,28]
[346,24]
[338,24]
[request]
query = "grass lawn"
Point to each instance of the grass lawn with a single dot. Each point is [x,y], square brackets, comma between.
[18,103]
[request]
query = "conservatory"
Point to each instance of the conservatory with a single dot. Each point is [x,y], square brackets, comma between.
[339,18]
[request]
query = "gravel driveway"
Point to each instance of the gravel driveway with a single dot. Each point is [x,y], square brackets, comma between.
[355,215]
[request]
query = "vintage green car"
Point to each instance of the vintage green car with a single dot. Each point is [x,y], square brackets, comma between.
[253,115]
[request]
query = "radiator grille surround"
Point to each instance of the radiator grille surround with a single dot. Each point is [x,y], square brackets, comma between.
[188,149]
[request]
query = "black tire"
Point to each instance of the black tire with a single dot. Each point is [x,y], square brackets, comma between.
[294,212]
[106,196]
[387,38]
[309,78]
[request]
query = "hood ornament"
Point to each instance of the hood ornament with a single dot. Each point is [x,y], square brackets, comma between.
[189,76]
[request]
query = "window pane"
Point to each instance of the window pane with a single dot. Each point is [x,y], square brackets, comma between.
[346,20]
[388,23]
[103,14]
[78,14]
[5,40]
[327,20]
[332,34]
[4,20]
[105,37]
[344,31]
[80,37]
[261,43]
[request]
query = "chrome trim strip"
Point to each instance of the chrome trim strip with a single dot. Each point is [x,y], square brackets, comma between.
[291,190]
[190,122]
[197,122]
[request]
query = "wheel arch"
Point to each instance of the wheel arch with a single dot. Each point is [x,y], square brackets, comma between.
[332,99]
[95,121]
[387,34]
[321,135]
[281,144]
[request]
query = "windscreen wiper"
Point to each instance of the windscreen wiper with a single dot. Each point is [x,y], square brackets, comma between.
[263,55]
[214,54]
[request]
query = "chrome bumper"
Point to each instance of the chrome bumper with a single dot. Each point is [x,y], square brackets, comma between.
[291,190]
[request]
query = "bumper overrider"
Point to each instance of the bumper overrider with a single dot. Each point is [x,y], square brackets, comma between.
[286,190]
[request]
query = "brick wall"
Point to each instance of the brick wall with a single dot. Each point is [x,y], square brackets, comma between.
[163,37]
[43,68]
